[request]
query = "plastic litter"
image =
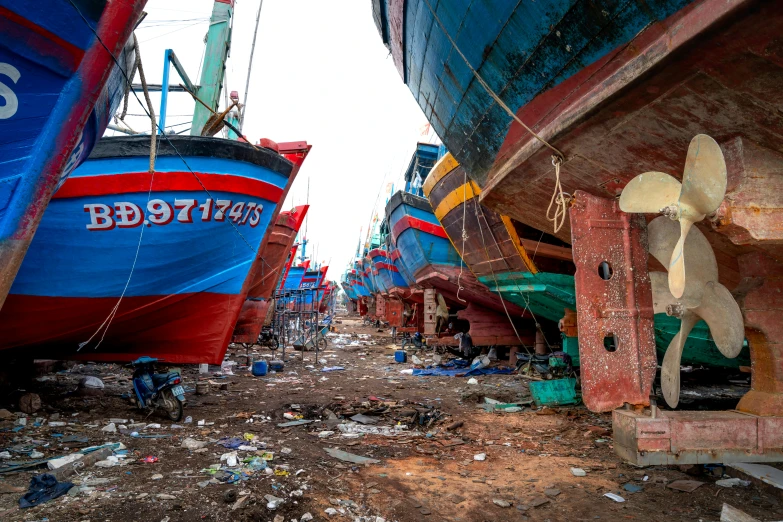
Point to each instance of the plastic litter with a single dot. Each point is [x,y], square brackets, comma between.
[193,444]
[230,458]
[578,472]
[731,482]
[350,457]
[91,383]
[273,502]
[480,457]
[616,498]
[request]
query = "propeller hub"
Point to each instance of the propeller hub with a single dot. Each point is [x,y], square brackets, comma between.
[675,310]
[672,212]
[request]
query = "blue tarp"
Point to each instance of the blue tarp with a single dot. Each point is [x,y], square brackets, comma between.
[463,372]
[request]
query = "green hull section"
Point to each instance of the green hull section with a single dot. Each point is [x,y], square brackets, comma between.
[548,295]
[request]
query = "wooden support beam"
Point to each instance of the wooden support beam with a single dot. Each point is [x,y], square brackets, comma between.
[546,250]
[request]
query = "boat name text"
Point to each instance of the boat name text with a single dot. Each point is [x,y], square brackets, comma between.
[125,214]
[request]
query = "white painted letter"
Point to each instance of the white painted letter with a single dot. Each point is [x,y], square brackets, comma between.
[11,101]
[100,216]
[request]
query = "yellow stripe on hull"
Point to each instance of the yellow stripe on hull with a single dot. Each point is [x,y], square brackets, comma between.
[518,244]
[444,165]
[462,194]
[456,198]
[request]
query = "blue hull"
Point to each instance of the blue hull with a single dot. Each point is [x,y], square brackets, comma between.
[521,50]
[59,87]
[172,255]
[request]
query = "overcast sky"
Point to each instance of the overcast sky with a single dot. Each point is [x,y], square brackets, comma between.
[321,74]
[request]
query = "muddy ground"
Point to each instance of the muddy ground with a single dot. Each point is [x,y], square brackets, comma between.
[526,474]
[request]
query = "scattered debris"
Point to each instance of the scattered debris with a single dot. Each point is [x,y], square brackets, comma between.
[731,482]
[350,457]
[687,486]
[43,488]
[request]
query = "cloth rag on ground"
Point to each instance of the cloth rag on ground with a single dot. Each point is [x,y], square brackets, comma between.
[43,488]
[231,443]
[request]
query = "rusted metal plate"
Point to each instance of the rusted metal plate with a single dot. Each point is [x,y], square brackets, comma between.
[614,304]
[380,307]
[394,310]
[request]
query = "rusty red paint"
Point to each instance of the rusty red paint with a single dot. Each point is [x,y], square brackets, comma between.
[618,308]
[396,30]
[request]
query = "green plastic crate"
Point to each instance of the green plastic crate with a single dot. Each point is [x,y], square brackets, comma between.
[556,392]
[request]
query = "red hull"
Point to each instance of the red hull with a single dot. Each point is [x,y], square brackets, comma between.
[273,255]
[182,328]
[445,279]
[251,319]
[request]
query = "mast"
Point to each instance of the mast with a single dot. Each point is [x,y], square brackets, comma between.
[214,66]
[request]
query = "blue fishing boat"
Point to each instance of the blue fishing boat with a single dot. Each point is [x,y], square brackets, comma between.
[146,263]
[424,247]
[134,258]
[61,77]
[293,279]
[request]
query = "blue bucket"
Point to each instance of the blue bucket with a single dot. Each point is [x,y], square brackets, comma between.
[260,368]
[400,356]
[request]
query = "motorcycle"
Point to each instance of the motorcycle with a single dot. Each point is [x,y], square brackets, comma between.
[157,390]
[268,338]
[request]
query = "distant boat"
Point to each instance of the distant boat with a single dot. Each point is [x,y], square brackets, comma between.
[60,85]
[426,250]
[293,279]
[262,289]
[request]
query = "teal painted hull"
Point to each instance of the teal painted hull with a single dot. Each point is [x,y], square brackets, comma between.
[547,295]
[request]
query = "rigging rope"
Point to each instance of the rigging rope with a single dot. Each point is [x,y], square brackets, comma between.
[104,326]
[558,199]
[560,213]
[464,232]
[487,87]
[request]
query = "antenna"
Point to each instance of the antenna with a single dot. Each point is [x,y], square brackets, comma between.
[250,67]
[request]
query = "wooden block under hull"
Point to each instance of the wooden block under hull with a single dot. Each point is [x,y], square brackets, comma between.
[696,437]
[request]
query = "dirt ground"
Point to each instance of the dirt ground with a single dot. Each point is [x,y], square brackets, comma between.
[426,472]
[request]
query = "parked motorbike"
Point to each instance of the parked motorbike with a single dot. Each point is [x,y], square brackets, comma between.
[157,390]
[269,338]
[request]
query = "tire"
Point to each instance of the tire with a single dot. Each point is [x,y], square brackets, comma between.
[322,343]
[172,405]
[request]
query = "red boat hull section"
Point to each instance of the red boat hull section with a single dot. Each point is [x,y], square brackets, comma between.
[182,328]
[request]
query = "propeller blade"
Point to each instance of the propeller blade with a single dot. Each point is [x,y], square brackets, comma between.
[662,237]
[660,292]
[648,193]
[677,263]
[670,369]
[663,234]
[704,177]
[723,315]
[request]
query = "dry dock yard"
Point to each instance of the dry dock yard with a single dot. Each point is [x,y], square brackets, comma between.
[360,442]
